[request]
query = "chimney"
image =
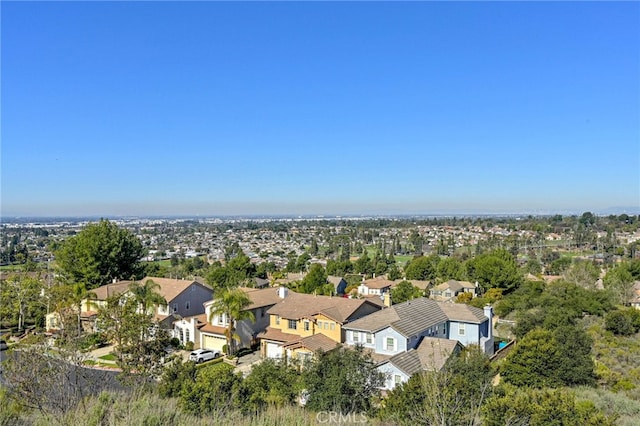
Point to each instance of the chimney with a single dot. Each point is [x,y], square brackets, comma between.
[283,292]
[387,299]
[488,312]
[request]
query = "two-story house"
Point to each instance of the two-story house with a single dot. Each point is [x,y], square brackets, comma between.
[375,286]
[183,297]
[208,332]
[403,327]
[301,323]
[451,289]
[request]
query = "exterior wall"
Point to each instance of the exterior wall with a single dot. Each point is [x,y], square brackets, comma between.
[393,375]
[363,289]
[471,334]
[400,342]
[354,337]
[341,287]
[185,330]
[192,298]
[328,327]
[439,330]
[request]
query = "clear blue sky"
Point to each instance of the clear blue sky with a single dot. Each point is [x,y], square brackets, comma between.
[156,108]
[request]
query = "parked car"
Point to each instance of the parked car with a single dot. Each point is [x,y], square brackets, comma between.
[202,355]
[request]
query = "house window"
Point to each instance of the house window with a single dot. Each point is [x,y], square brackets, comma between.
[292,324]
[187,305]
[306,326]
[447,294]
[175,307]
[391,342]
[332,326]
[368,337]
[461,329]
[397,379]
[187,336]
[356,336]
[326,325]
[277,319]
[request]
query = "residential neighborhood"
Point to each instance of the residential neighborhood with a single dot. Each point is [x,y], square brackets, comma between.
[395,318]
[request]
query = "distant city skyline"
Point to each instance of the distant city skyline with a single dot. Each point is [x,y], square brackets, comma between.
[295,108]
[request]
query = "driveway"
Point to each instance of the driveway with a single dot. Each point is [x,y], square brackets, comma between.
[247,361]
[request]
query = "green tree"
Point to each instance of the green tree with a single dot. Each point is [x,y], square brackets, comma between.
[272,383]
[20,299]
[452,396]
[450,268]
[233,304]
[217,390]
[558,266]
[582,274]
[422,268]
[175,376]
[100,253]
[363,265]
[315,280]
[540,407]
[544,358]
[405,291]
[343,380]
[620,280]
[623,322]
[495,269]
[139,342]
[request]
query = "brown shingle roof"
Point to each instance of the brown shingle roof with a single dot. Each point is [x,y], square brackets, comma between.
[171,288]
[274,334]
[313,343]
[462,312]
[261,297]
[431,354]
[297,305]
[109,290]
[378,283]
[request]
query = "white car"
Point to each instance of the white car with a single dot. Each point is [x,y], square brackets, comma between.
[202,355]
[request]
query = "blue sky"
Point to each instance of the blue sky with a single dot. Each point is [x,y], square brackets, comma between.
[209,108]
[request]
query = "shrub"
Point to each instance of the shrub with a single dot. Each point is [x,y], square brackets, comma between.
[188,346]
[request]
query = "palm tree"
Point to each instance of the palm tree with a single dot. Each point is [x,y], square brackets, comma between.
[146,295]
[233,304]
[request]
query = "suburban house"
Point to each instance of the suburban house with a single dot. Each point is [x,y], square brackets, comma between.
[403,327]
[451,289]
[184,298]
[339,284]
[431,354]
[298,319]
[208,332]
[375,286]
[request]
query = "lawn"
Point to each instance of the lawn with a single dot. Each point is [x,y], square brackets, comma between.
[108,357]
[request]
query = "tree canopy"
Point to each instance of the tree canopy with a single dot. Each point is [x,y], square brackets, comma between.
[100,253]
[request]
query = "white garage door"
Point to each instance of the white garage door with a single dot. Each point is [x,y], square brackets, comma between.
[213,342]
[274,350]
